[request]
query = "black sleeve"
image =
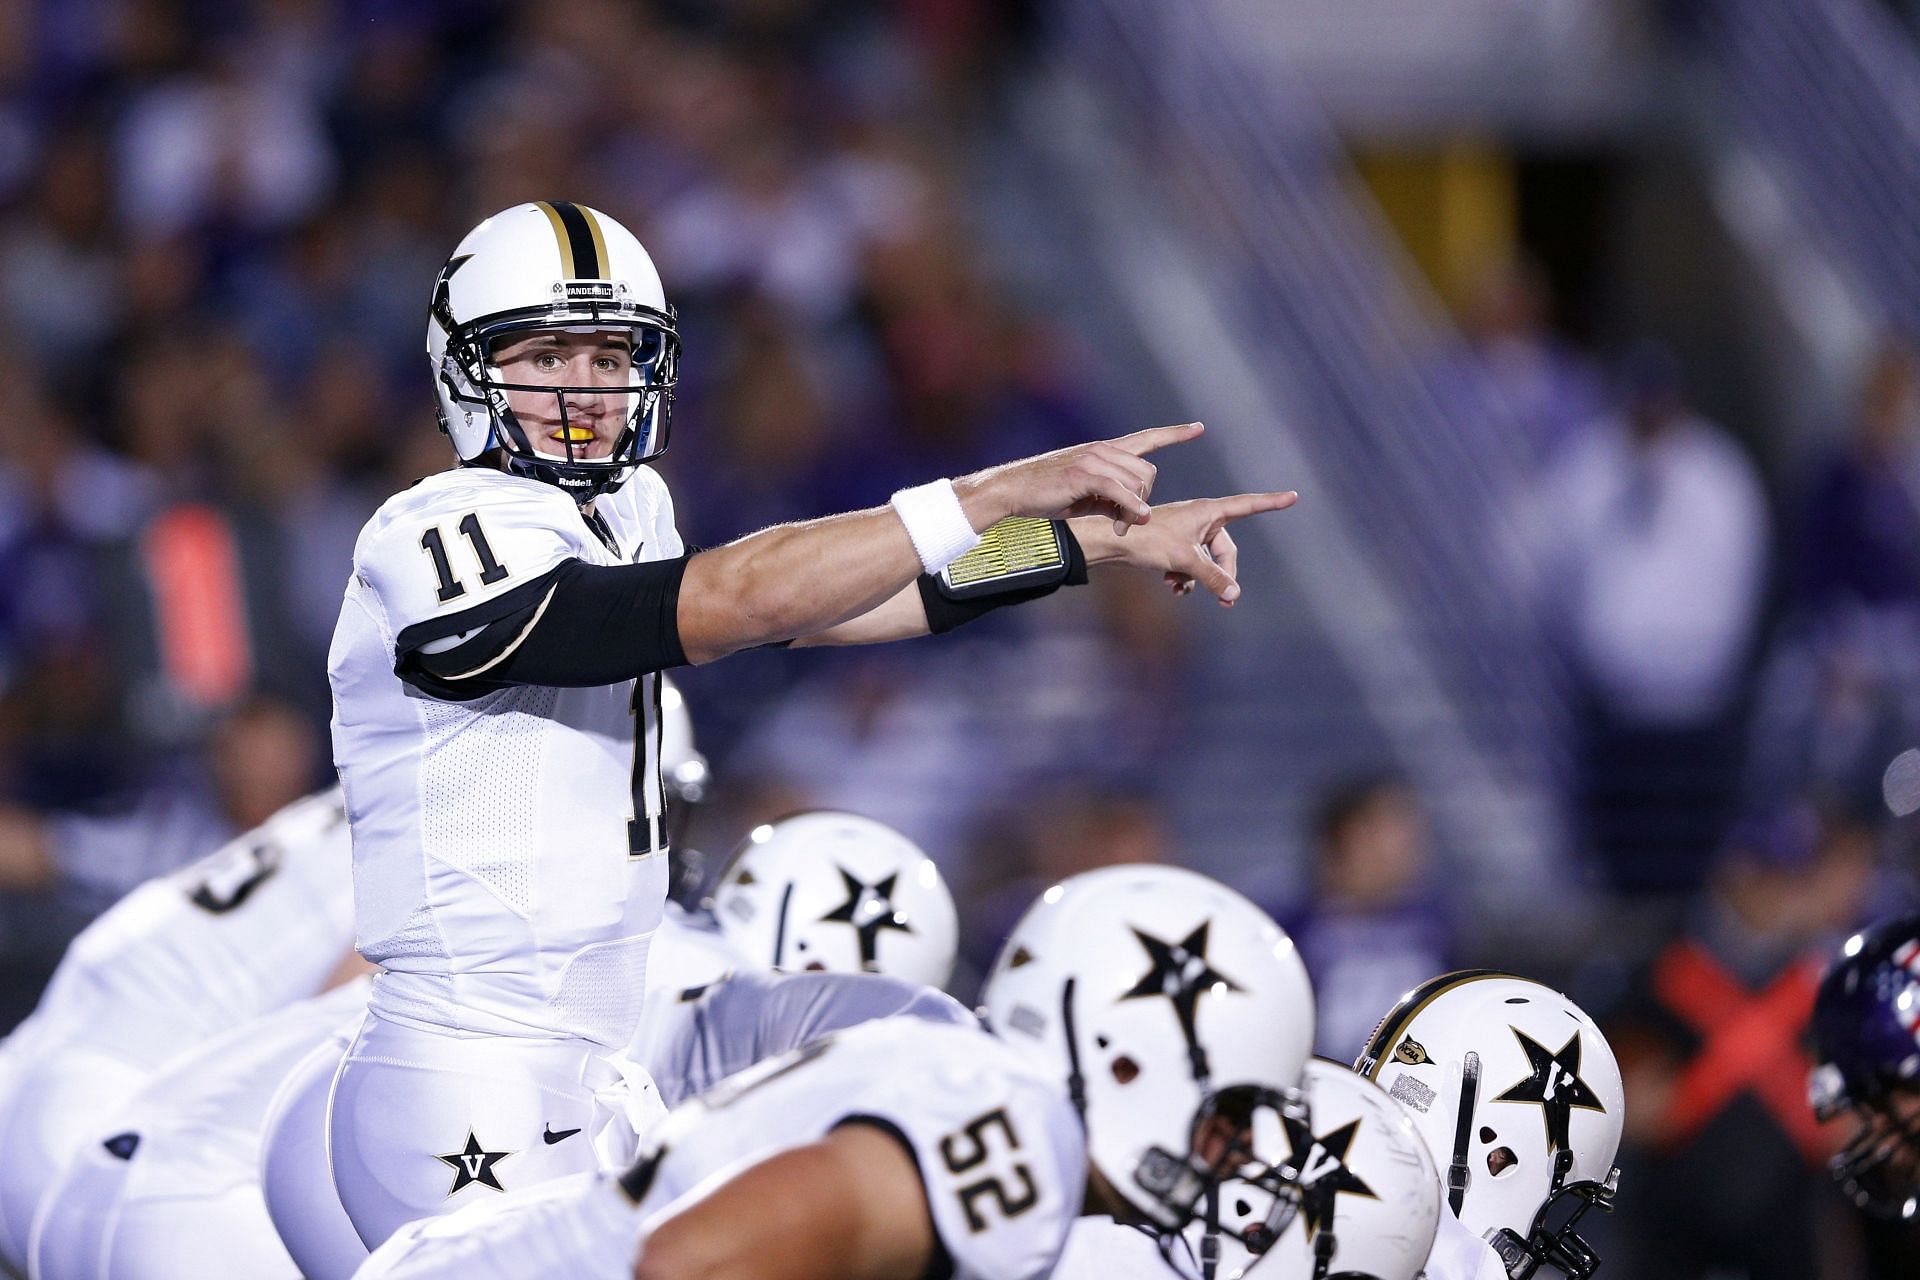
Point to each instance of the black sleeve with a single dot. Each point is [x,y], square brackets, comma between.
[577,626]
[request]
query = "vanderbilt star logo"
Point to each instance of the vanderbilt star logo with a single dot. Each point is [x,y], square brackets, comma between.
[1322,1165]
[473,1165]
[441,307]
[869,909]
[1180,972]
[1554,1083]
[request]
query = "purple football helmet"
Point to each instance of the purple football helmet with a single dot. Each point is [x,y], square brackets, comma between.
[1866,1035]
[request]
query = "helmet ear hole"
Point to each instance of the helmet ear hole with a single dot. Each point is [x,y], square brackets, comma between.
[1500,1160]
[1125,1070]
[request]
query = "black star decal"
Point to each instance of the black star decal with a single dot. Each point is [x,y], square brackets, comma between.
[441,307]
[1321,1163]
[1555,1084]
[473,1165]
[869,909]
[1181,973]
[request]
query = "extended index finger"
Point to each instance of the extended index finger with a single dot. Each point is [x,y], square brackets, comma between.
[1141,443]
[1241,505]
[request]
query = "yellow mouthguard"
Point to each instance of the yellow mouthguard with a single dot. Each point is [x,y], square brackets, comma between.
[575,435]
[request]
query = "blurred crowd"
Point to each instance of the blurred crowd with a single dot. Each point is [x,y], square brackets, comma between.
[1739,640]
[219,221]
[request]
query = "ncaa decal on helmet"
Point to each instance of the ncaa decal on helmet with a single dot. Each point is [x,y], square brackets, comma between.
[1181,1016]
[1519,1099]
[552,267]
[840,892]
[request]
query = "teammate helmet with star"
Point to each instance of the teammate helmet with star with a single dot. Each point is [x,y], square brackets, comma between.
[551,266]
[1519,1099]
[1866,1035]
[840,892]
[1180,1015]
[1369,1195]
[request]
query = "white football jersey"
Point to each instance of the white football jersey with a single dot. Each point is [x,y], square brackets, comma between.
[190,1137]
[1098,1248]
[509,857]
[689,951]
[692,1040]
[1000,1150]
[259,923]
[1458,1254]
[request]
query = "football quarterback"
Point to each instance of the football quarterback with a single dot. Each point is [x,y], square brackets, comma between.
[495,673]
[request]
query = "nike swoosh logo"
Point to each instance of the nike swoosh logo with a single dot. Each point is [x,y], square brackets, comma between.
[549,1137]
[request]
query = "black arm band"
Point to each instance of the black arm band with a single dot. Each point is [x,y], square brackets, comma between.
[578,626]
[1018,560]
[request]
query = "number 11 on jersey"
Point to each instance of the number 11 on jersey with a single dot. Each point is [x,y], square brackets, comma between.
[647,821]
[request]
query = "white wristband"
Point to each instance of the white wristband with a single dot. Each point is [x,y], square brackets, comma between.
[936,522]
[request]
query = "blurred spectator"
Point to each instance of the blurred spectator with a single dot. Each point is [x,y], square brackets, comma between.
[884,737]
[59,869]
[1726,1162]
[1057,831]
[259,759]
[227,146]
[1374,926]
[1549,387]
[1646,542]
[59,265]
[1859,543]
[1840,693]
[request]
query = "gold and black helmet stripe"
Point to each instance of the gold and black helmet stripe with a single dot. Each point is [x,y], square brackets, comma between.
[583,249]
[1380,1046]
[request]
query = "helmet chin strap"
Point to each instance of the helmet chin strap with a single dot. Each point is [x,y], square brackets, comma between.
[1076,1079]
[1458,1174]
[780,929]
[1210,1240]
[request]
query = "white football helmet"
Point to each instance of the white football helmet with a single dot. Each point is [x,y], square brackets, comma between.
[1518,1095]
[1369,1196]
[1172,1006]
[836,891]
[551,265]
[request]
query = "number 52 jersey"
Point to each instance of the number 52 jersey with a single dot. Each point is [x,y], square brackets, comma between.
[509,861]
[1000,1149]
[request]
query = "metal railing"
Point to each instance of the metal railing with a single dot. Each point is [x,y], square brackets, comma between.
[1830,92]
[1308,304]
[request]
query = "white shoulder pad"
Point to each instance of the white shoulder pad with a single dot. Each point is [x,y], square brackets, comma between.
[1458,1254]
[459,542]
[642,511]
